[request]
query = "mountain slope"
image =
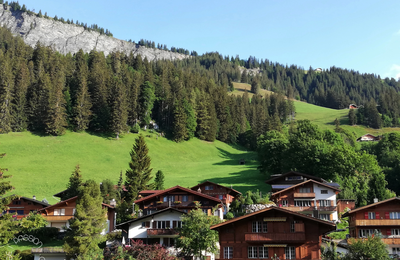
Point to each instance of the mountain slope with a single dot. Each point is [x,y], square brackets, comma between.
[69,38]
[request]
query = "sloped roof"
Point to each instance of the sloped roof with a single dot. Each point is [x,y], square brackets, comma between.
[152,214]
[69,200]
[370,205]
[32,200]
[304,182]
[269,209]
[178,188]
[295,173]
[198,185]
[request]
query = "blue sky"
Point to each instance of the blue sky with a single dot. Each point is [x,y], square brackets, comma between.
[359,35]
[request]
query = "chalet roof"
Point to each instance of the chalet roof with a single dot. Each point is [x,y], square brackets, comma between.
[178,188]
[32,200]
[294,173]
[271,209]
[370,205]
[59,194]
[198,185]
[304,182]
[149,192]
[69,200]
[150,215]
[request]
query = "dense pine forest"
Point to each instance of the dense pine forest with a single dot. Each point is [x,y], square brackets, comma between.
[45,92]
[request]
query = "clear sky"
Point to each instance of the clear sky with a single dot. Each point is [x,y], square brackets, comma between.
[359,35]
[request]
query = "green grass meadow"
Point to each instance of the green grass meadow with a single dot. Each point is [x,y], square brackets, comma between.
[42,165]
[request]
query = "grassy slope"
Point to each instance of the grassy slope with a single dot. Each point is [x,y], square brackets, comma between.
[41,166]
[322,116]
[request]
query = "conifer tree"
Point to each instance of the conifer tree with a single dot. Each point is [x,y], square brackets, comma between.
[119,108]
[5,186]
[6,89]
[191,123]
[180,132]
[75,182]
[19,105]
[82,102]
[138,176]
[84,232]
[108,192]
[159,180]
[146,102]
[56,114]
[352,117]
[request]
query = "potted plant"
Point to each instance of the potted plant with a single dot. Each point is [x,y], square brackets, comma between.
[160,202]
[177,202]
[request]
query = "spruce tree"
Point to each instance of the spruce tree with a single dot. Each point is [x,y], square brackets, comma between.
[84,232]
[352,117]
[19,105]
[138,175]
[180,132]
[119,108]
[108,191]
[75,182]
[146,102]
[159,180]
[191,123]
[5,186]
[56,120]
[6,89]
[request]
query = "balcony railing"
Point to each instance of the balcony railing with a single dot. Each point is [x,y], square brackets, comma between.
[281,237]
[310,208]
[377,222]
[391,240]
[151,232]
[304,195]
[62,217]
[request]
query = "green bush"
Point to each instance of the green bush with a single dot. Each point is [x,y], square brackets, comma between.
[45,234]
[26,255]
[135,128]
[229,216]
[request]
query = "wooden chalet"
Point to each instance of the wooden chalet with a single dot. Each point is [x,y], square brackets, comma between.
[22,206]
[382,217]
[58,214]
[282,181]
[180,198]
[225,194]
[368,138]
[310,197]
[272,232]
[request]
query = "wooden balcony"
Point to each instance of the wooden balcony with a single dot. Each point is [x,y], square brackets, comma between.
[151,232]
[377,222]
[298,209]
[327,208]
[304,195]
[391,241]
[58,218]
[275,237]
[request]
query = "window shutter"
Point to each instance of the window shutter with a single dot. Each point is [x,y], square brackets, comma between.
[387,216]
[366,215]
[388,232]
[376,215]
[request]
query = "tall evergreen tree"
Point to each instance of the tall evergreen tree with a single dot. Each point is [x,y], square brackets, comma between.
[139,175]
[5,186]
[119,108]
[75,182]
[19,105]
[180,132]
[84,232]
[6,90]
[146,102]
[159,180]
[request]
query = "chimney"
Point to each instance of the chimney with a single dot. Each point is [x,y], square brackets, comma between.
[199,190]
[34,197]
[305,179]
[376,200]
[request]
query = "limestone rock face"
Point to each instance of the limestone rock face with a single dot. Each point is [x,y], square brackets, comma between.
[257,207]
[69,38]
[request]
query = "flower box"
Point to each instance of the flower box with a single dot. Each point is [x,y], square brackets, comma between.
[160,202]
[178,202]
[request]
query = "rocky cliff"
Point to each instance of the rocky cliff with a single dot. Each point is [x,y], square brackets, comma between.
[69,38]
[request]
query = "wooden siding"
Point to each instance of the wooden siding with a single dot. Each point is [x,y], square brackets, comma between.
[304,195]
[377,222]
[273,237]
[391,241]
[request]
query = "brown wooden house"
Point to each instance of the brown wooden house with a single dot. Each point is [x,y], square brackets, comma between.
[272,232]
[180,198]
[225,194]
[21,206]
[58,214]
[381,217]
[310,197]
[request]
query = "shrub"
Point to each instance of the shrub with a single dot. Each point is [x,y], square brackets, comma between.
[26,255]
[135,128]
[45,234]
[138,251]
[229,216]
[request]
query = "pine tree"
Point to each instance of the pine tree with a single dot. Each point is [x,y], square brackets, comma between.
[6,90]
[352,117]
[191,123]
[139,175]
[5,186]
[146,102]
[119,108]
[108,192]
[56,120]
[75,182]
[19,104]
[84,232]
[180,132]
[159,180]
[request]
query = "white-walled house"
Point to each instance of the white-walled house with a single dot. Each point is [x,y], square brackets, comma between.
[310,197]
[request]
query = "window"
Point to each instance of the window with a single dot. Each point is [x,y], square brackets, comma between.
[396,232]
[209,187]
[73,211]
[294,178]
[292,228]
[56,212]
[228,252]
[305,190]
[302,203]
[17,202]
[221,197]
[290,252]
[20,212]
[176,224]
[263,252]
[146,224]
[162,224]
[394,215]
[265,227]
[324,191]
[366,232]
[256,228]
[62,211]
[324,203]
[185,198]
[324,216]
[252,251]
[284,203]
[371,215]
[396,250]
